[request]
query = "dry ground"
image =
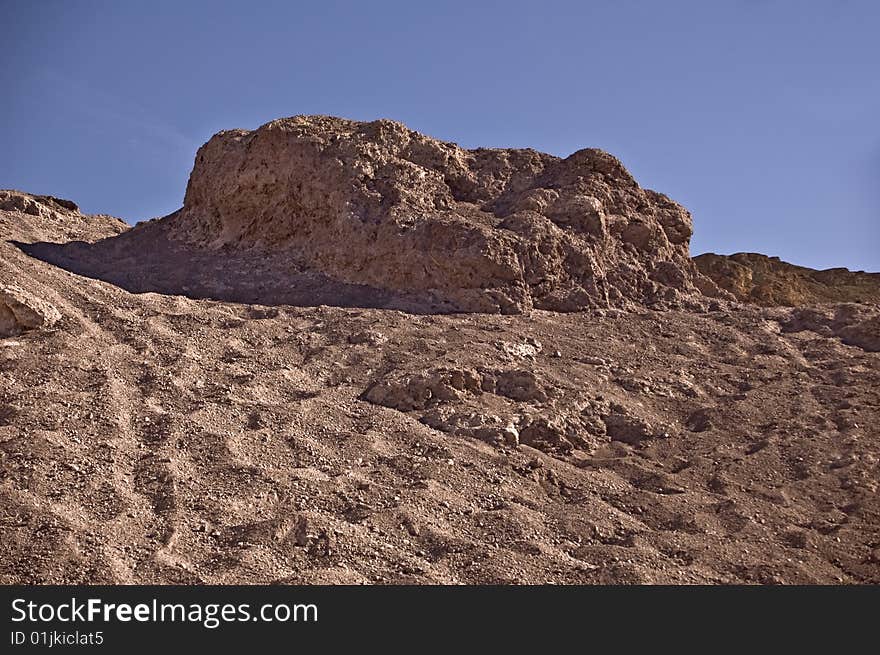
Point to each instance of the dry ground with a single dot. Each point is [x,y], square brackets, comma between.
[152,438]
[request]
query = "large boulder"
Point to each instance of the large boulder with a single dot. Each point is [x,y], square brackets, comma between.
[20,311]
[485,230]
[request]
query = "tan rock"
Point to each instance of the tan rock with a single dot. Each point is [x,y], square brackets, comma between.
[406,392]
[626,428]
[29,218]
[484,230]
[769,281]
[20,311]
[855,324]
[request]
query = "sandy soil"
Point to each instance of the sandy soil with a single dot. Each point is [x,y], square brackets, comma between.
[154,438]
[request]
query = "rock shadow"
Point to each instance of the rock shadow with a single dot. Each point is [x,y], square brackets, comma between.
[145,259]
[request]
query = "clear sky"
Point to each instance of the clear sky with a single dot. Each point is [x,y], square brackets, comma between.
[761,116]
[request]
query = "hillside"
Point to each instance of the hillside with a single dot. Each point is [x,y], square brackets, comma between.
[264,388]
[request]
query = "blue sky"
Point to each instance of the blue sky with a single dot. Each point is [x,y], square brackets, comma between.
[761,116]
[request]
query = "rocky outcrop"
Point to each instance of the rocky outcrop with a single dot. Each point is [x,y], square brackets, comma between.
[34,205]
[769,281]
[20,312]
[486,230]
[28,217]
[406,392]
[855,325]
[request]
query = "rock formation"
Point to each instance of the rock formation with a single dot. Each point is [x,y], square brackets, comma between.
[249,391]
[20,311]
[855,325]
[769,281]
[486,230]
[30,217]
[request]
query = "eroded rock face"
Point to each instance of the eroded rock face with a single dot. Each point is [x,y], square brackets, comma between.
[484,230]
[769,281]
[20,311]
[855,325]
[34,205]
[28,218]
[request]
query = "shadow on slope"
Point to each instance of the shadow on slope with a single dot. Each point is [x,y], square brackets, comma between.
[144,259]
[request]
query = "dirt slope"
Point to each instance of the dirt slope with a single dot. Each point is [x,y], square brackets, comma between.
[150,437]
